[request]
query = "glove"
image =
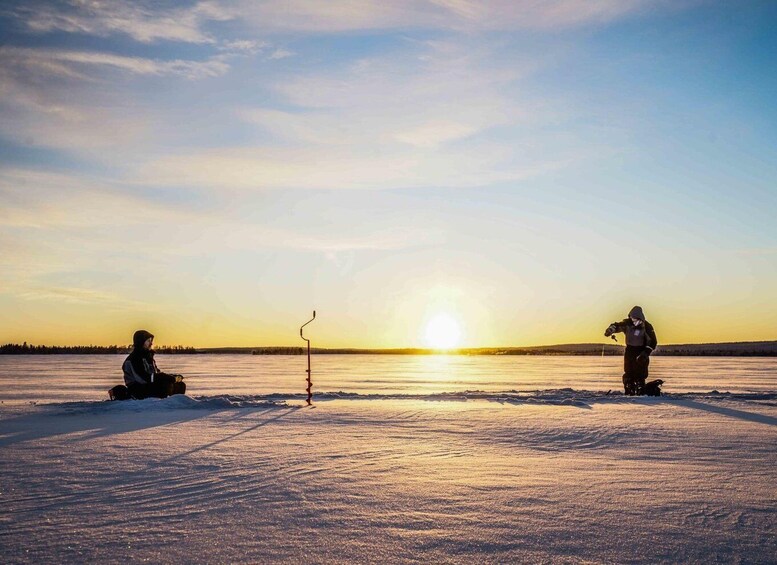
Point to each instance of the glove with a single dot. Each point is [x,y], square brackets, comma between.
[609,331]
[643,357]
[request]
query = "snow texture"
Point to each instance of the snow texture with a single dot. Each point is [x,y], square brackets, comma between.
[556,475]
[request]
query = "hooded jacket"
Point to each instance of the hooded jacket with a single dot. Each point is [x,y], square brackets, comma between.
[139,367]
[642,335]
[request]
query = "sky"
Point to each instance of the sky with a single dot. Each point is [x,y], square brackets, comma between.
[509,172]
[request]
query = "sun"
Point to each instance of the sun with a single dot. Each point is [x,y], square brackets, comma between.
[442,332]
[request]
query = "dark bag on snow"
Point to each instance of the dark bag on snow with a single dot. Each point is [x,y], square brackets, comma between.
[653,388]
[119,392]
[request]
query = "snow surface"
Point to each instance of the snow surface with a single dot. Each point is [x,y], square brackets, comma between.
[559,476]
[450,460]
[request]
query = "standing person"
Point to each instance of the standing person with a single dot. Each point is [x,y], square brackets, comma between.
[141,375]
[640,343]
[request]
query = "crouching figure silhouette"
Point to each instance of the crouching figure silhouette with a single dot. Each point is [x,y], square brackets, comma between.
[640,343]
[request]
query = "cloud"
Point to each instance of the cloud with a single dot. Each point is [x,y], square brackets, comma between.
[280,53]
[432,93]
[38,202]
[147,22]
[244,46]
[51,114]
[346,168]
[434,133]
[34,269]
[548,14]
[414,117]
[212,67]
[232,234]
[50,200]
[71,64]
[74,239]
[757,251]
[459,15]
[74,295]
[417,119]
[365,126]
[143,21]
[425,94]
[91,131]
[250,47]
[67,100]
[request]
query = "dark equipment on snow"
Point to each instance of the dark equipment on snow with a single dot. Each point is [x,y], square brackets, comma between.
[653,388]
[310,384]
[164,386]
[119,392]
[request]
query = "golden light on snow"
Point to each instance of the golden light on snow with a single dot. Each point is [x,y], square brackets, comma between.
[442,332]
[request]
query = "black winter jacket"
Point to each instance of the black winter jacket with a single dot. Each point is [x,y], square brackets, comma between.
[642,335]
[139,367]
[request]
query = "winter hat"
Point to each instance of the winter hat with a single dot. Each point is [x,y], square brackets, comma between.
[636,312]
[140,337]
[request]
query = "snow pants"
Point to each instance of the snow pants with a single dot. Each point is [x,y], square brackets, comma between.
[163,386]
[635,372]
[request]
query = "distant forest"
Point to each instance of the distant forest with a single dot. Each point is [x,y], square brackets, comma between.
[737,349]
[26,349]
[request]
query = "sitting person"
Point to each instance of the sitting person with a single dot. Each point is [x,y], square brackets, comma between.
[141,375]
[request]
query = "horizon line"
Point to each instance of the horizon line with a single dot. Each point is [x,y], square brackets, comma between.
[404,348]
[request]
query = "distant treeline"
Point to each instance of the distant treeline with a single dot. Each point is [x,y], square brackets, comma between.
[278,351]
[739,349]
[338,351]
[27,349]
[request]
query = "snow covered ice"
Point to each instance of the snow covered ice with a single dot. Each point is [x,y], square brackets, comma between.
[560,474]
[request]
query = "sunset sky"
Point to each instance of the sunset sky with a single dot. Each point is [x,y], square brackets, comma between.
[214,171]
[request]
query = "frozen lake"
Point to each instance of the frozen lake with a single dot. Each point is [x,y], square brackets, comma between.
[555,472]
[57,378]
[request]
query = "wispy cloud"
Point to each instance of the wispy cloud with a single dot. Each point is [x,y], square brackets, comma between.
[757,251]
[147,22]
[71,64]
[45,203]
[243,46]
[45,119]
[434,133]
[280,53]
[143,21]
[72,239]
[65,99]
[48,200]
[248,236]
[343,168]
[464,15]
[507,14]
[426,97]
[47,113]
[76,295]
[412,120]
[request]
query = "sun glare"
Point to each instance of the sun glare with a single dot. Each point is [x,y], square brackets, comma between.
[442,332]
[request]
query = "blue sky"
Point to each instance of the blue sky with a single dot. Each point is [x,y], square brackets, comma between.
[215,170]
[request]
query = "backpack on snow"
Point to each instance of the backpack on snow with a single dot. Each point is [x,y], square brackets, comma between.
[119,392]
[653,388]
